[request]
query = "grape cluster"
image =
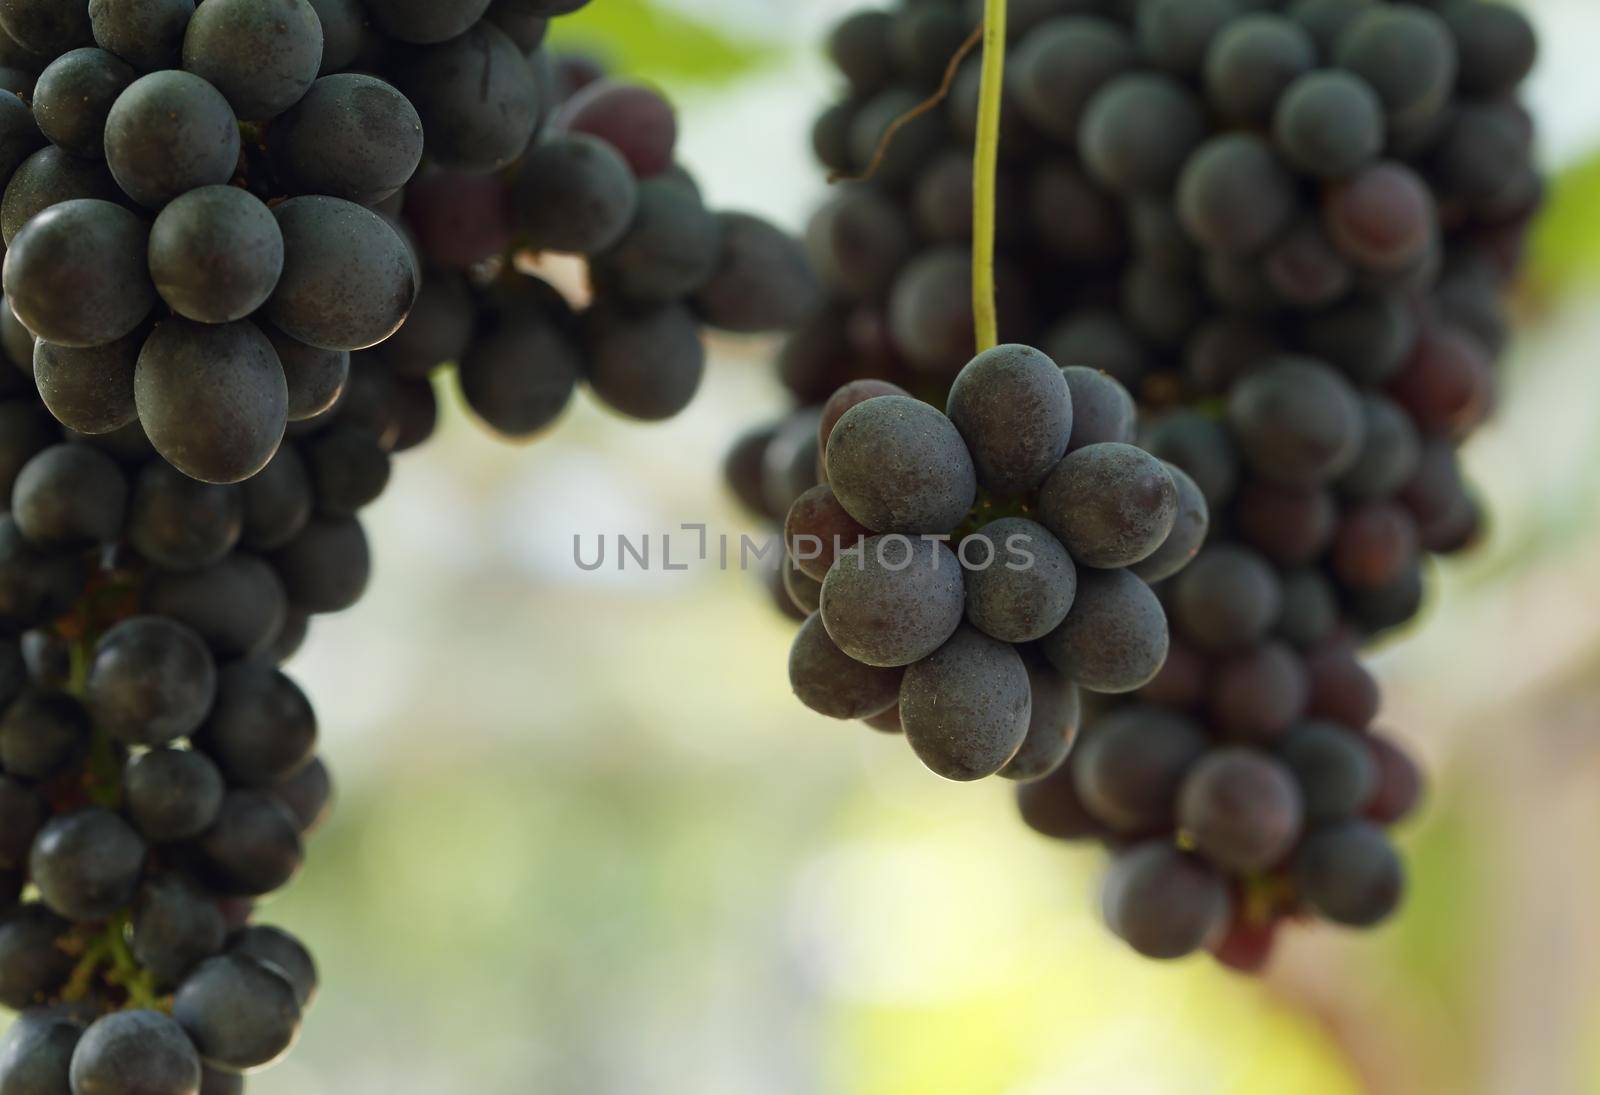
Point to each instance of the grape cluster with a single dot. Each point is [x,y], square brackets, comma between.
[220,327]
[966,572]
[601,185]
[1290,228]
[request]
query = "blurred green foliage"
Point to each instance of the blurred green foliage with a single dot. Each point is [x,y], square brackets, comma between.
[1566,243]
[650,42]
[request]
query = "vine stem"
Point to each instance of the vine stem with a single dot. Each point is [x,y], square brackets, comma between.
[985,163]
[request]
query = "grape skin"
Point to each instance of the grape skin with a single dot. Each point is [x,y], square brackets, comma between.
[147,34]
[1228,599]
[215,254]
[89,390]
[222,430]
[73,96]
[1014,410]
[966,707]
[1115,638]
[831,683]
[1163,903]
[476,96]
[169,133]
[898,465]
[1021,587]
[49,177]
[76,274]
[348,278]
[351,136]
[1242,809]
[575,194]
[915,583]
[1112,505]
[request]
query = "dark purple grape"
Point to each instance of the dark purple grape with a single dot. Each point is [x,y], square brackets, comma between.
[898,465]
[1020,580]
[1112,505]
[893,601]
[1350,873]
[965,708]
[1242,809]
[1013,408]
[1163,902]
[1115,638]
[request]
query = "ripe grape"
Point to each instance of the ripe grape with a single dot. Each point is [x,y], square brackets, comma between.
[646,364]
[168,133]
[1163,902]
[172,794]
[1112,505]
[1102,409]
[966,707]
[574,193]
[348,278]
[1259,694]
[240,1013]
[636,121]
[1350,873]
[1242,809]
[215,254]
[1189,531]
[69,496]
[892,601]
[423,21]
[135,1050]
[898,465]
[90,389]
[76,274]
[1329,124]
[1252,61]
[1138,130]
[1406,54]
[212,399]
[1020,580]
[1054,718]
[1013,408]
[73,96]
[1115,638]
[476,95]
[86,864]
[668,251]
[1061,64]
[1234,195]
[831,683]
[1298,423]
[1228,599]
[351,136]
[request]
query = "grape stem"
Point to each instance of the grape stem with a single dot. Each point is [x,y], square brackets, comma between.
[985,162]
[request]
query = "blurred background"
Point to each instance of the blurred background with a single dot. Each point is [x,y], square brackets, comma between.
[587,843]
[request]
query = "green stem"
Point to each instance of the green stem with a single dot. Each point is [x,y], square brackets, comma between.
[985,163]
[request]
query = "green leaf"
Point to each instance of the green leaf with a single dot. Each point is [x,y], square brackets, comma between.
[645,41]
[1566,241]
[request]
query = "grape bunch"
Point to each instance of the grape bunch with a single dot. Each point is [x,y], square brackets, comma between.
[601,185]
[218,335]
[966,572]
[1291,230]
